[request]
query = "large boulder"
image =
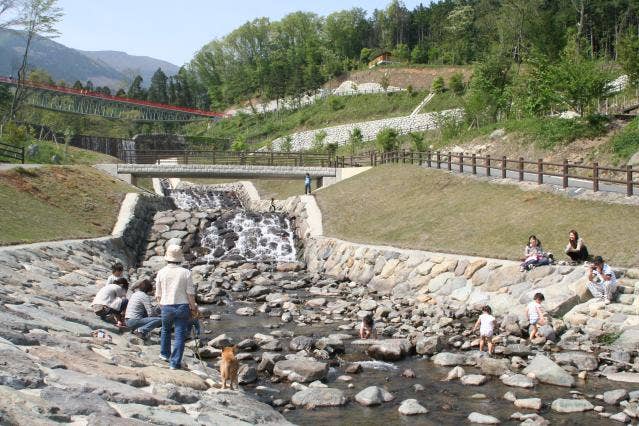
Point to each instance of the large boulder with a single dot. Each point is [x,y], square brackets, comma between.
[517,380]
[482,419]
[373,395]
[303,370]
[563,405]
[319,397]
[390,350]
[17,370]
[410,407]
[546,371]
[448,359]
[76,403]
[493,366]
[430,345]
[582,360]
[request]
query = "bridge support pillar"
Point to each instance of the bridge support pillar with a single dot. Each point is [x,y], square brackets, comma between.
[133,180]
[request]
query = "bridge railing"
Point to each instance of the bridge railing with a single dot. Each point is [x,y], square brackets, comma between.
[257,158]
[11,152]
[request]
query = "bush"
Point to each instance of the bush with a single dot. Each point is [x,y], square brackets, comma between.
[355,139]
[239,145]
[438,85]
[626,142]
[417,142]
[456,84]
[336,103]
[386,139]
[287,144]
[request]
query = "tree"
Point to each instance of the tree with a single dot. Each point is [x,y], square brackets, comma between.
[158,89]
[355,139]
[487,96]
[384,81]
[287,144]
[346,32]
[89,86]
[120,93]
[365,54]
[40,76]
[386,139]
[402,52]
[417,142]
[438,85]
[78,85]
[135,90]
[34,18]
[318,141]
[628,58]
[419,55]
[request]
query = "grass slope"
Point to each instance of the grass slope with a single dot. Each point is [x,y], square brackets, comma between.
[410,207]
[57,202]
[72,156]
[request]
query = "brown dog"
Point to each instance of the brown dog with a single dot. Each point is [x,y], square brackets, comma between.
[229,366]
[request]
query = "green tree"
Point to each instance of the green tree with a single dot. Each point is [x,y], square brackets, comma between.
[384,81]
[456,84]
[417,142]
[318,141]
[135,90]
[239,145]
[40,76]
[355,140]
[488,95]
[629,56]
[287,144]
[158,89]
[89,86]
[419,55]
[78,85]
[402,52]
[365,54]
[346,32]
[121,93]
[386,139]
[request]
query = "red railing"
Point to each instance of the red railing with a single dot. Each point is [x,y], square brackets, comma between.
[78,92]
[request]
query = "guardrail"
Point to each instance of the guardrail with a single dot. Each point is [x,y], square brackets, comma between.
[257,158]
[12,152]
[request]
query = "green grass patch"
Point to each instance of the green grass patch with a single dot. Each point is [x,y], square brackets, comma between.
[410,207]
[52,153]
[626,142]
[58,202]
[334,110]
[608,338]
[443,101]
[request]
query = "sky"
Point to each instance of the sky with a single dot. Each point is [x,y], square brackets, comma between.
[175,30]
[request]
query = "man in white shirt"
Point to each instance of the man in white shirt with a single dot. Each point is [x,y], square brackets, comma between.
[175,293]
[602,280]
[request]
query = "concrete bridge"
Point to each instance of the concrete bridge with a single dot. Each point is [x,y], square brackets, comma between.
[131,172]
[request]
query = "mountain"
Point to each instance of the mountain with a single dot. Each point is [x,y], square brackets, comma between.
[61,62]
[131,65]
[103,68]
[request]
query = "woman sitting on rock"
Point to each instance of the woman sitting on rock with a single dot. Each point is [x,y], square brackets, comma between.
[141,315]
[533,255]
[576,248]
[111,301]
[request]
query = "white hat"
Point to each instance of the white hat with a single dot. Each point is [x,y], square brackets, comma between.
[174,254]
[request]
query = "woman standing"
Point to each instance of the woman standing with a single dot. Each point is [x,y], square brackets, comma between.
[176,295]
[576,248]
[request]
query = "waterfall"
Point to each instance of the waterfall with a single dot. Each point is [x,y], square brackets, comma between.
[127,151]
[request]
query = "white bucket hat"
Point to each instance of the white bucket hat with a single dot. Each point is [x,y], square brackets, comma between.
[174,254]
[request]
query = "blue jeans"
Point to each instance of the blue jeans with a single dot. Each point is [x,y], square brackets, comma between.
[180,317]
[307,188]
[145,325]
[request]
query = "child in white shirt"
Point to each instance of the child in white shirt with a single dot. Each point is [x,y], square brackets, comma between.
[117,271]
[486,324]
[535,314]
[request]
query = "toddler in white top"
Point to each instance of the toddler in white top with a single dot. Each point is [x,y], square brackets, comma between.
[486,324]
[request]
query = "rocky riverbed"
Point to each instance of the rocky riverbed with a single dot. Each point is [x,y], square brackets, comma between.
[301,359]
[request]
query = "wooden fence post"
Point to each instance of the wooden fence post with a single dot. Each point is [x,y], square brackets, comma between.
[629,183]
[428,159]
[474,163]
[411,157]
[521,169]
[540,171]
[421,161]
[565,173]
[438,156]
[450,162]
[595,176]
[488,165]
[461,162]
[503,167]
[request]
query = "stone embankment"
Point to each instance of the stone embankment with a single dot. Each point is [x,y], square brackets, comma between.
[340,134]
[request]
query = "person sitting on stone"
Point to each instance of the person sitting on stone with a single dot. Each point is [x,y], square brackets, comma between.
[117,271]
[602,280]
[576,248]
[141,314]
[367,329]
[111,302]
[533,255]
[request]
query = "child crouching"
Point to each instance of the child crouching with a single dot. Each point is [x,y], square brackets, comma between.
[486,324]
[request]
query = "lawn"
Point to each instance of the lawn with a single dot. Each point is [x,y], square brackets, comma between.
[410,207]
[58,202]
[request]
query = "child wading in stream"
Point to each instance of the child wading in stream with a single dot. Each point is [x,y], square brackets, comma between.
[486,324]
[535,314]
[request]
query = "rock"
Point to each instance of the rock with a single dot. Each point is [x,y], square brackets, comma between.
[226,407]
[154,415]
[76,403]
[517,380]
[389,350]
[354,368]
[614,396]
[301,343]
[18,408]
[303,370]
[571,405]
[493,366]
[482,419]
[373,395]
[319,397]
[246,311]
[509,396]
[182,378]
[221,341]
[546,371]
[410,407]
[17,370]
[268,361]
[176,393]
[247,345]
[409,373]
[316,303]
[258,291]
[455,373]
[473,379]
[246,374]
[583,361]
[528,403]
[430,345]
[497,134]
[620,417]
[367,305]
[331,344]
[447,359]
[623,377]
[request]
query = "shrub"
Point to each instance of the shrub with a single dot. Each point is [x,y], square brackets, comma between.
[626,142]
[336,103]
[355,139]
[417,142]
[438,85]
[287,144]
[386,139]
[318,141]
[239,145]
[456,84]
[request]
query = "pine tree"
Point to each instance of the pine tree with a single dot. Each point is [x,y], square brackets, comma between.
[135,90]
[158,89]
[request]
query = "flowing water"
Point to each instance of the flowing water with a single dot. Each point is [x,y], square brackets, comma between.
[264,236]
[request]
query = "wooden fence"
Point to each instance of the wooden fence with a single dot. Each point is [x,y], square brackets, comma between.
[500,166]
[12,152]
